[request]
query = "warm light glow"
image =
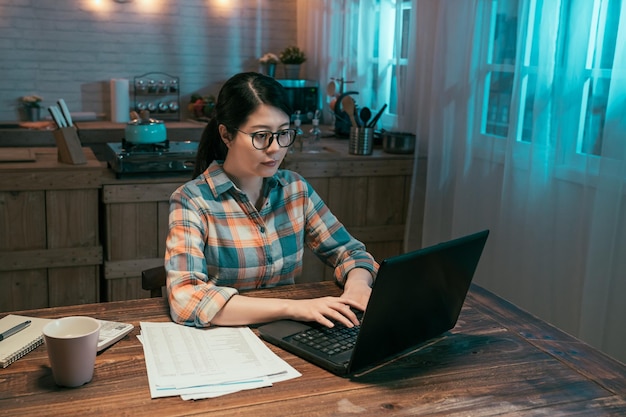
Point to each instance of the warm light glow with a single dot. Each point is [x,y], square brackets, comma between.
[105,7]
[150,6]
[98,5]
[222,8]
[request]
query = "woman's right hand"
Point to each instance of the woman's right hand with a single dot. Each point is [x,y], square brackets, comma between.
[325,310]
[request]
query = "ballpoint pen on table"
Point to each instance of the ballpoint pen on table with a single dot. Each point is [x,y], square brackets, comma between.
[14,330]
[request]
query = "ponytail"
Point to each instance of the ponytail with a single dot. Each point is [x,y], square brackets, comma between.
[211,148]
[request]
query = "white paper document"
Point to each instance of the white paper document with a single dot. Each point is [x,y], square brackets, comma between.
[203,363]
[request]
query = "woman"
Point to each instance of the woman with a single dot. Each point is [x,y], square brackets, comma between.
[242,223]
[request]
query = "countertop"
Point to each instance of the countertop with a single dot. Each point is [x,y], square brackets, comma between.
[90,133]
[97,134]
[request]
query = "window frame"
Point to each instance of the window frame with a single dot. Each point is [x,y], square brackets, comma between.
[575,64]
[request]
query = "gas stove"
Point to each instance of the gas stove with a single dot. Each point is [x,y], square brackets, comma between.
[164,158]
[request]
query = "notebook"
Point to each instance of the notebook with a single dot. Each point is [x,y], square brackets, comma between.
[416,297]
[19,344]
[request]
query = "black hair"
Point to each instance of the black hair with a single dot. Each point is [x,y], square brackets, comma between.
[239,97]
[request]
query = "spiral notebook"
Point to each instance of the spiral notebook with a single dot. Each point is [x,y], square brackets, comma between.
[19,344]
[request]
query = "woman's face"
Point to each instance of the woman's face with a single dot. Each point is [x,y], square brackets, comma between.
[243,160]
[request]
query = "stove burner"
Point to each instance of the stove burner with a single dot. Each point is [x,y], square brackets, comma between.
[145,147]
[135,159]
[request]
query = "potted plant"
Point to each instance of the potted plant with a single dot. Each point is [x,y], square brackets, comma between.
[292,57]
[202,107]
[269,61]
[32,105]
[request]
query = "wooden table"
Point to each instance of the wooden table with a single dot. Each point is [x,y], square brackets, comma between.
[498,360]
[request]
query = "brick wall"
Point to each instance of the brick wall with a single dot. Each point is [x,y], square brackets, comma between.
[72,48]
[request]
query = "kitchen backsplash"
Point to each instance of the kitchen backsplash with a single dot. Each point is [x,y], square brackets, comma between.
[73,48]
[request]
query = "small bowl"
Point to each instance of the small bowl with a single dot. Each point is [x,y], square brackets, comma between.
[399,142]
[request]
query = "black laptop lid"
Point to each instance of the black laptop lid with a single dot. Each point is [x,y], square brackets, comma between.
[417,296]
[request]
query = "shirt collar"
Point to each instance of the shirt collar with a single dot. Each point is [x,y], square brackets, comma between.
[219,182]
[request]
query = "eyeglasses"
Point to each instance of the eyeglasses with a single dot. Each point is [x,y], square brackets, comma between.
[263,138]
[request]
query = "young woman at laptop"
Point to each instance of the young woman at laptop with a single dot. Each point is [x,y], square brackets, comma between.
[243,224]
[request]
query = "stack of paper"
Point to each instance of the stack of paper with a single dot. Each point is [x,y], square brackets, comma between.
[205,363]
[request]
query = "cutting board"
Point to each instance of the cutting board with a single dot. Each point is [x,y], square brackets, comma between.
[17,155]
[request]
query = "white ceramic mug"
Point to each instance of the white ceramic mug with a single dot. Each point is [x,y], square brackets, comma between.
[72,344]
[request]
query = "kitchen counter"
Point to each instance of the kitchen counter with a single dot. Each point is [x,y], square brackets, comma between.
[368,194]
[50,247]
[92,133]
[126,219]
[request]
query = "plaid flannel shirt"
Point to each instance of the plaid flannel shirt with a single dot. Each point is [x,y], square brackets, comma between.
[219,243]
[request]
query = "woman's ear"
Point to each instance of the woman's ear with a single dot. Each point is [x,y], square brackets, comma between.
[224,135]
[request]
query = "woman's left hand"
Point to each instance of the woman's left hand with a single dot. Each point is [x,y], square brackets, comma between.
[358,287]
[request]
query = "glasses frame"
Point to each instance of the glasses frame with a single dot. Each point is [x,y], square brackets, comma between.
[275,135]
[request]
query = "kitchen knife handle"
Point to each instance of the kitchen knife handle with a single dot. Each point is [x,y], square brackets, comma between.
[57,116]
[65,111]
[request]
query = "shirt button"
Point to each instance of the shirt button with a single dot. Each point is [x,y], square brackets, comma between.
[262,229]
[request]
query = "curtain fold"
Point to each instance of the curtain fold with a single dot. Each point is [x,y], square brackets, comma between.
[557,216]
[350,40]
[550,187]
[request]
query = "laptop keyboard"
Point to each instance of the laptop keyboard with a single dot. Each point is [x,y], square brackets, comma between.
[330,341]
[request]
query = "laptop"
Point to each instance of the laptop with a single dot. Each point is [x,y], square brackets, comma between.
[416,297]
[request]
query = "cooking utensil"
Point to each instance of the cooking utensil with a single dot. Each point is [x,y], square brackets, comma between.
[65,112]
[365,115]
[398,142]
[331,88]
[145,130]
[348,106]
[375,119]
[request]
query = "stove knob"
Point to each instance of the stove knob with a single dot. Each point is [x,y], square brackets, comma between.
[173,106]
[140,106]
[152,106]
[140,85]
[163,107]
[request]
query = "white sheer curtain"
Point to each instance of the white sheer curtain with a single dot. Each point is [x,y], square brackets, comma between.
[557,214]
[341,39]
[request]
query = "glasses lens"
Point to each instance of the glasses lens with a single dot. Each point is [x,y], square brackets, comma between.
[261,139]
[286,137]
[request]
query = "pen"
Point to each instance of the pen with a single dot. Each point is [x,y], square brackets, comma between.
[14,330]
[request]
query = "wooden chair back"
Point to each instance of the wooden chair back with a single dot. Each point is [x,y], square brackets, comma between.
[153,280]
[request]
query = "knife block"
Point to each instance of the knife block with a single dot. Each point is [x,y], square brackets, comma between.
[69,146]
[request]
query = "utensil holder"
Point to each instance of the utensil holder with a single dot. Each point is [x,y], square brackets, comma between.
[69,146]
[361,140]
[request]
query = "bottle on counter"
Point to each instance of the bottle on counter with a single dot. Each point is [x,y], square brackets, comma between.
[297,124]
[313,138]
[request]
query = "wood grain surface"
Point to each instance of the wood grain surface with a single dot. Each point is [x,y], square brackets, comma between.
[498,360]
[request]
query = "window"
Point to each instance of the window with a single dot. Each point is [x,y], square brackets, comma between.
[599,52]
[566,84]
[393,24]
[499,59]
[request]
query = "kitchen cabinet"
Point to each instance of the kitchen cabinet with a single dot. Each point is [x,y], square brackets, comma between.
[369,194]
[136,221]
[50,251]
